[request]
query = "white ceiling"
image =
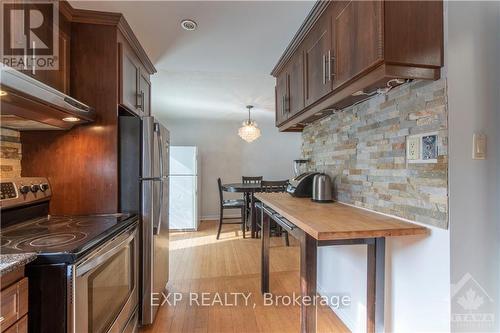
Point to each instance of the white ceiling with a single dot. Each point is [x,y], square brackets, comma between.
[215,71]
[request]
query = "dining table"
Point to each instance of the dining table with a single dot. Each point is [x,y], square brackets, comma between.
[248,189]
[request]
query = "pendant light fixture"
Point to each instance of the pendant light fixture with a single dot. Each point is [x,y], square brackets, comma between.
[249,131]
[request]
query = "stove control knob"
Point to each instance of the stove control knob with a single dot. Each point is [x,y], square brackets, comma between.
[24,189]
[44,187]
[35,188]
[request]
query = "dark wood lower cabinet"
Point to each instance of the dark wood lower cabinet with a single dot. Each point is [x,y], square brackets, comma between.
[14,302]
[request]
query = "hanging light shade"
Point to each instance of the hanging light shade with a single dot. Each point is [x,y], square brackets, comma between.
[249,131]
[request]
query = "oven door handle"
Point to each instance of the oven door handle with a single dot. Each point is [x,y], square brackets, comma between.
[96,258]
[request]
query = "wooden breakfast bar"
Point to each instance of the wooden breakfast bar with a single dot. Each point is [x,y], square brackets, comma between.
[331,224]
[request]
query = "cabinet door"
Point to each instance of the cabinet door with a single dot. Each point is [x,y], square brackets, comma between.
[295,97]
[129,82]
[281,93]
[358,38]
[316,58]
[56,78]
[145,93]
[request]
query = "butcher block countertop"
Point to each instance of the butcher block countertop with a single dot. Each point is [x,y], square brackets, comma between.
[335,221]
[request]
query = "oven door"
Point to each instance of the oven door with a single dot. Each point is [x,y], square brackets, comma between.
[105,294]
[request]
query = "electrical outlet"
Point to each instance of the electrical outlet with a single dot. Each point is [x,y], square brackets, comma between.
[413,148]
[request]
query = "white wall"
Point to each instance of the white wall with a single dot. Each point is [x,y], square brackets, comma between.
[474,106]
[417,282]
[224,154]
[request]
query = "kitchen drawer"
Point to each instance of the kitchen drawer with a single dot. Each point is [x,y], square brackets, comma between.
[14,303]
[20,327]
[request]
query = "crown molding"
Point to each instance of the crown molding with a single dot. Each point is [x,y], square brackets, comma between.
[108,18]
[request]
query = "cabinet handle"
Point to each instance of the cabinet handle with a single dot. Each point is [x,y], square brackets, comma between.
[140,101]
[332,73]
[137,101]
[324,69]
[329,66]
[283,105]
[33,69]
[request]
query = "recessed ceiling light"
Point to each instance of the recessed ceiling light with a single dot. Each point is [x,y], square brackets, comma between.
[3,93]
[71,119]
[189,25]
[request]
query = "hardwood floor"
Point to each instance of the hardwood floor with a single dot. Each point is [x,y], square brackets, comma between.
[201,264]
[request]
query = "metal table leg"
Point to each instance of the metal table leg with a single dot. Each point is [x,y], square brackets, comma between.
[375,286]
[308,266]
[266,231]
[253,225]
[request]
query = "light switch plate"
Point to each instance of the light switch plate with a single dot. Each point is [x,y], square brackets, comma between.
[479,146]
[413,148]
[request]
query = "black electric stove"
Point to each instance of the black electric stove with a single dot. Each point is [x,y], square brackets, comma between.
[61,239]
[72,251]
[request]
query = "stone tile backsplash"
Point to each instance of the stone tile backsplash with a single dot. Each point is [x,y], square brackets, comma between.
[10,153]
[363,149]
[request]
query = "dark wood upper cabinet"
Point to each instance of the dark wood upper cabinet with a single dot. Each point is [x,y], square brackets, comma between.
[145,93]
[129,79]
[317,55]
[281,95]
[358,38]
[84,169]
[56,78]
[414,33]
[135,85]
[290,89]
[344,47]
[295,70]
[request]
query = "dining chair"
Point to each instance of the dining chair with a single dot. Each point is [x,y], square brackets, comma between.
[230,204]
[246,196]
[274,186]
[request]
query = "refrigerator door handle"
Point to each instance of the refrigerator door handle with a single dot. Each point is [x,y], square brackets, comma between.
[156,229]
[160,147]
[154,178]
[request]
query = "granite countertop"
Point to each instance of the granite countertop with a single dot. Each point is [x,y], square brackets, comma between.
[10,262]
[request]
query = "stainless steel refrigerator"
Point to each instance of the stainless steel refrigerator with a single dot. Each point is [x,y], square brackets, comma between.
[144,189]
[155,218]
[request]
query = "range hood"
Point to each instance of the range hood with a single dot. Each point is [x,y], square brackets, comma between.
[28,104]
